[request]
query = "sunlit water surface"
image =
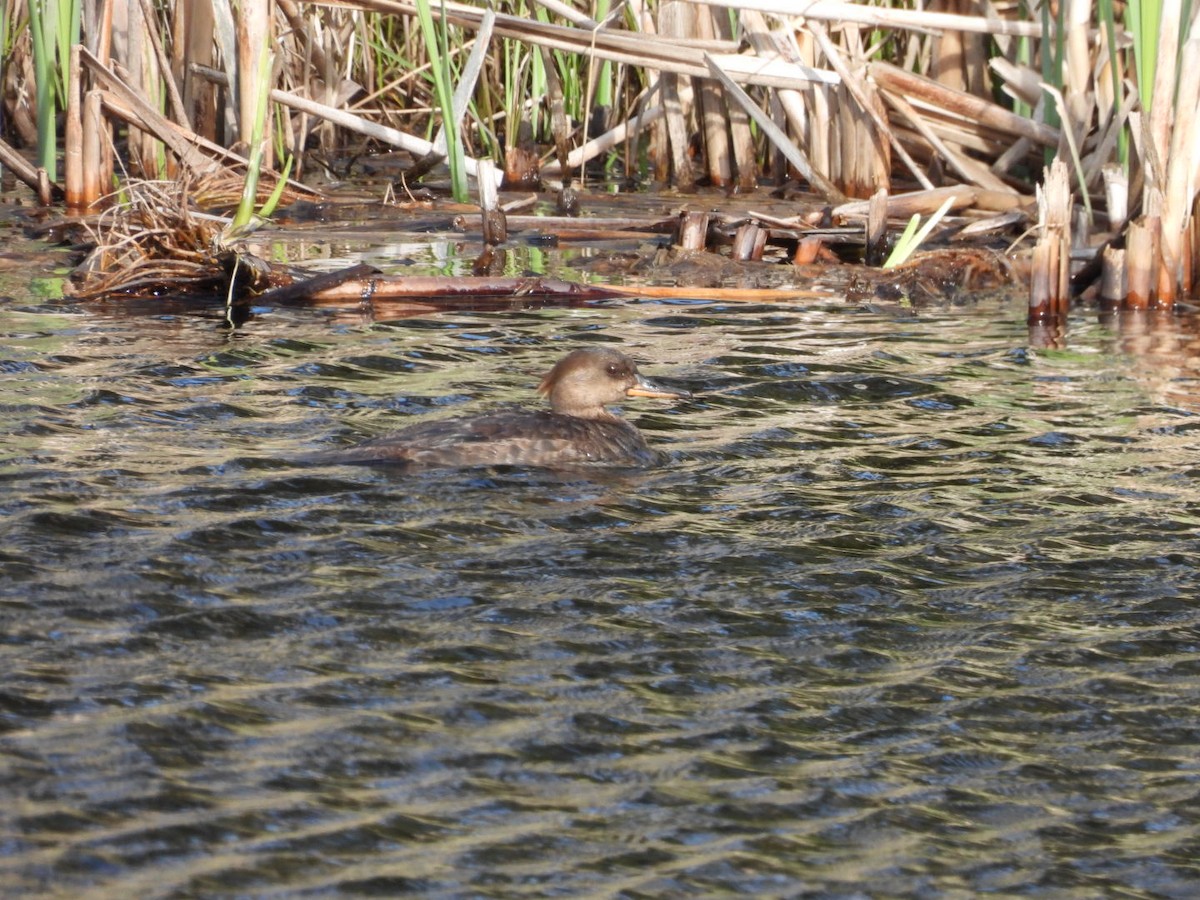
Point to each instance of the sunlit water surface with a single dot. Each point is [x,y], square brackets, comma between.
[911,610]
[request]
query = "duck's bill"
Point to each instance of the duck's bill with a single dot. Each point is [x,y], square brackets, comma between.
[647,388]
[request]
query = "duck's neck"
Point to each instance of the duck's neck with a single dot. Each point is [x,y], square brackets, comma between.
[591,412]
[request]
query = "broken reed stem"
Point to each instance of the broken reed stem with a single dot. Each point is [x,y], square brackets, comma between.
[1141,249]
[749,242]
[710,104]
[1114,285]
[693,230]
[842,12]
[882,133]
[877,213]
[966,106]
[73,153]
[777,136]
[1050,275]
[494,225]
[392,136]
[97,154]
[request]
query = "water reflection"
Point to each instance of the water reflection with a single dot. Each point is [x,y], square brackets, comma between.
[909,612]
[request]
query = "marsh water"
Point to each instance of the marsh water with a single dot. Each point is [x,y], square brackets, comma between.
[910,610]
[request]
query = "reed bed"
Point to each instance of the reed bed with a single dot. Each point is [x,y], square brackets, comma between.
[1071,127]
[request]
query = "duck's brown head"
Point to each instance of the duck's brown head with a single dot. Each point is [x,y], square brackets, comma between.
[585,381]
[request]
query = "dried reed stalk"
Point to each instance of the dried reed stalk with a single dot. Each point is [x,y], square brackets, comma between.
[1141,251]
[1175,269]
[351,122]
[968,107]
[73,138]
[792,152]
[1050,278]
[674,20]
[845,13]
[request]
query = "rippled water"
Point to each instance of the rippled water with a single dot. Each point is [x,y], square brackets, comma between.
[912,611]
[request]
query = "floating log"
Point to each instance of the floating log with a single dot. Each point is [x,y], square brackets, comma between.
[363,285]
[455,288]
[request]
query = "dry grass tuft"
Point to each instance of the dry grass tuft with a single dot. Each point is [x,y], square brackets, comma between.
[150,239]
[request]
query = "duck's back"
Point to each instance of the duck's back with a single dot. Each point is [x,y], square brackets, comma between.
[507,439]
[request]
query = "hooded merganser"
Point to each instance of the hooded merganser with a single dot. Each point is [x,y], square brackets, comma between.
[578,431]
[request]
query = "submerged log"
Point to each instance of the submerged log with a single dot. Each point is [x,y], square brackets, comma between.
[456,288]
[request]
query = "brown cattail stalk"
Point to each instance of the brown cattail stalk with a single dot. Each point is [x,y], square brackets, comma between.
[495,227]
[1141,251]
[1050,277]
[73,136]
[1174,276]
[97,156]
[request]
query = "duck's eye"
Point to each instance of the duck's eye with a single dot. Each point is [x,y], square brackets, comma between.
[614,370]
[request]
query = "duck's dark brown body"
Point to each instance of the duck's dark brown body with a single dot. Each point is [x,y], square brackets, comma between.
[579,431]
[510,439]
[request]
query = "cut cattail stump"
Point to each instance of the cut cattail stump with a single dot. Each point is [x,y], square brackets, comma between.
[1050,275]
[693,230]
[1141,252]
[73,136]
[877,228]
[1174,278]
[495,226]
[1113,286]
[97,161]
[1116,195]
[749,242]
